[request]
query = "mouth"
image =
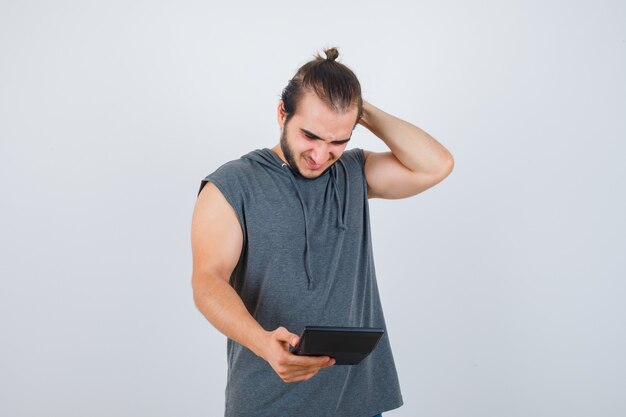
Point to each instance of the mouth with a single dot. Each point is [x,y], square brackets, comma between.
[312,166]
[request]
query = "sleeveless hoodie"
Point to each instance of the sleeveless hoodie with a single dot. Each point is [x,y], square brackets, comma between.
[306,261]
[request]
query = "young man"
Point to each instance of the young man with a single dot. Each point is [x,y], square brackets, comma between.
[281,240]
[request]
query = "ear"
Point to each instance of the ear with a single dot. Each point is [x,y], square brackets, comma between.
[281,113]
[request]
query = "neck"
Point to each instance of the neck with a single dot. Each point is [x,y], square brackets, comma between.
[278,151]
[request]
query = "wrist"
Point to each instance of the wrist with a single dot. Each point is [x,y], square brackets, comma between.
[260,342]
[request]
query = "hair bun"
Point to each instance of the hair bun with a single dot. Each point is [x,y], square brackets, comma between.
[331,54]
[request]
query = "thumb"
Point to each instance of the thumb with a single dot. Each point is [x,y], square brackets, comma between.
[294,340]
[285,335]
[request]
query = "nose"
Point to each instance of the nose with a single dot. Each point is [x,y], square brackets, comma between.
[319,154]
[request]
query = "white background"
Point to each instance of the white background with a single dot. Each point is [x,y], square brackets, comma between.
[502,287]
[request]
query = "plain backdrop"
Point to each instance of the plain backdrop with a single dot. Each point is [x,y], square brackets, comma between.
[503,286]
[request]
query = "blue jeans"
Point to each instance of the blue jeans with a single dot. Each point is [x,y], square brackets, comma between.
[378,415]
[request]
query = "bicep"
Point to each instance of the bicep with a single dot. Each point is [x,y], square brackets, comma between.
[216,235]
[388,178]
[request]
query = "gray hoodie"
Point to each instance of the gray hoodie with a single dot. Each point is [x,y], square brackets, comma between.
[306,261]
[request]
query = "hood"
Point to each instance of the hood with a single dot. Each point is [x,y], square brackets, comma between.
[268,158]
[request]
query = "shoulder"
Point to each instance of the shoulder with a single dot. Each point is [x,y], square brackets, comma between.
[230,173]
[354,156]
[234,168]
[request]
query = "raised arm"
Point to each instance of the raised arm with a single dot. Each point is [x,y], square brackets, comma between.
[217,241]
[416,161]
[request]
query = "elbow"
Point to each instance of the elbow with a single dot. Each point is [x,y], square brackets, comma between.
[445,166]
[196,293]
[199,289]
[449,164]
[204,286]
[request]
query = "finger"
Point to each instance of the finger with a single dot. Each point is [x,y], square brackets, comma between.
[292,373]
[300,377]
[305,369]
[298,374]
[310,361]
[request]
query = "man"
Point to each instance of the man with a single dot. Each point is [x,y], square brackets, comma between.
[281,240]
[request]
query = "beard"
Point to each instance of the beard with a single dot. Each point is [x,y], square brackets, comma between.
[291,161]
[284,146]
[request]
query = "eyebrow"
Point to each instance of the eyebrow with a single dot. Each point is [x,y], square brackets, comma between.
[313,135]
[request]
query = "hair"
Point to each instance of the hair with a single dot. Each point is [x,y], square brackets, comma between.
[333,82]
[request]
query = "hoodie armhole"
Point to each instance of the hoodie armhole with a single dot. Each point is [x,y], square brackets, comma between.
[232,201]
[358,156]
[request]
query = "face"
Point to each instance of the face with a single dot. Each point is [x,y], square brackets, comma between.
[315,136]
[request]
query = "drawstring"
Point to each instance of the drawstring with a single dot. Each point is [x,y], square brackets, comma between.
[341,211]
[307,264]
[341,214]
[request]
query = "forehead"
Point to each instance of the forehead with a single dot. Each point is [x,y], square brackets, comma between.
[317,117]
